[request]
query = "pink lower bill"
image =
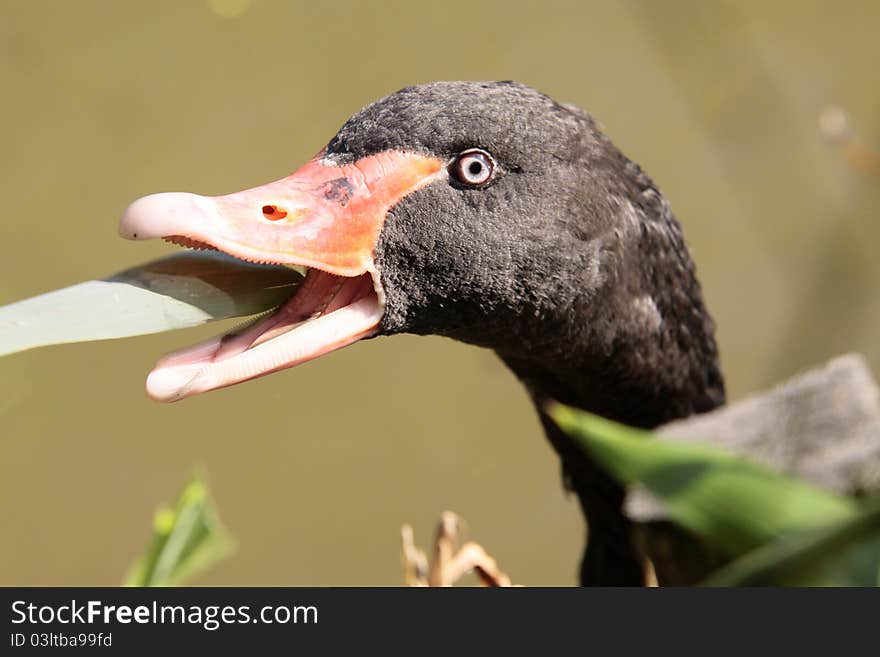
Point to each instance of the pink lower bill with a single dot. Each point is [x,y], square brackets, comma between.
[326,313]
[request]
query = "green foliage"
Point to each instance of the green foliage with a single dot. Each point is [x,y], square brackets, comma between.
[177,291]
[187,538]
[845,554]
[779,529]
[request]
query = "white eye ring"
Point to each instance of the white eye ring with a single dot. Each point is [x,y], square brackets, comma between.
[473,167]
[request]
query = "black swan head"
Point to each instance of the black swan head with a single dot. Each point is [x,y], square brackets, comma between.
[488,213]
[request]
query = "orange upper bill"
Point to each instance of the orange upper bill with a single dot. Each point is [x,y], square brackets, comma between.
[323,215]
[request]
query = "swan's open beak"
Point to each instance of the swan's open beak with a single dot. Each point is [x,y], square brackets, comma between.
[324,217]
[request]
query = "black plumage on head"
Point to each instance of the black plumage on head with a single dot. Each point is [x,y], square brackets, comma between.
[569,264]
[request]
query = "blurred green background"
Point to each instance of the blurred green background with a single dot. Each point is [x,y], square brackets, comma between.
[315,469]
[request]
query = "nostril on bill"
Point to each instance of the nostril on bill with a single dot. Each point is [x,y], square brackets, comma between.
[273,212]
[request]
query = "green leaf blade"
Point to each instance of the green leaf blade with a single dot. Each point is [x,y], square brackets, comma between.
[187,539]
[182,290]
[735,504]
[844,554]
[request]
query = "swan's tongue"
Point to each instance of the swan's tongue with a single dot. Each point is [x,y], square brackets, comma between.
[324,216]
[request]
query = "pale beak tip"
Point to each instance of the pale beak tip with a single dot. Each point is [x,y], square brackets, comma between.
[160,215]
[171,384]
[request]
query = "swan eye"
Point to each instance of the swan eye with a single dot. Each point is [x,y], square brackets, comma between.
[473,167]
